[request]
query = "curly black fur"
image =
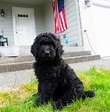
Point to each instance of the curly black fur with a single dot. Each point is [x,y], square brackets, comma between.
[57,81]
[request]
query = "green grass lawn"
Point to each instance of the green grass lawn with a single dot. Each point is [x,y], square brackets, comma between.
[21,100]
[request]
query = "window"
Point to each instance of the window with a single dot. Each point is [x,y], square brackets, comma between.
[23,15]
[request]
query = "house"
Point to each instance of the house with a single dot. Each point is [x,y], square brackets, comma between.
[96,21]
[24,19]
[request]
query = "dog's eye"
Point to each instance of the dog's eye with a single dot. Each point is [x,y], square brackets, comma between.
[51,44]
[42,43]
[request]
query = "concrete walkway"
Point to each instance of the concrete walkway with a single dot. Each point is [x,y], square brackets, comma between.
[12,80]
[102,63]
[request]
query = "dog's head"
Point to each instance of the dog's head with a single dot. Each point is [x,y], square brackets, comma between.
[46,46]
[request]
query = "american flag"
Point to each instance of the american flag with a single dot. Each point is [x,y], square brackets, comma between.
[60,23]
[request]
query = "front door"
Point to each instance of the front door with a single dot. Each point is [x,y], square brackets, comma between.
[24,26]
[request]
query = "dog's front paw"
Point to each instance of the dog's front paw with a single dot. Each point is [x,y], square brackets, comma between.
[57,105]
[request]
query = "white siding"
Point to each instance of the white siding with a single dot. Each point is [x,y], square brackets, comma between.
[6,22]
[96,21]
[87,24]
[71,10]
[39,19]
[44,20]
[48,16]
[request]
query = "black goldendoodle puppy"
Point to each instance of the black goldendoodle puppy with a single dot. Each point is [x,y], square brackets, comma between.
[57,81]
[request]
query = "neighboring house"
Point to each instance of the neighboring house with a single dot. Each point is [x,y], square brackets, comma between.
[24,19]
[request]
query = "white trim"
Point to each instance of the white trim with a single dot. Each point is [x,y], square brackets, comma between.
[78,22]
[14,24]
[107,0]
[102,3]
[14,10]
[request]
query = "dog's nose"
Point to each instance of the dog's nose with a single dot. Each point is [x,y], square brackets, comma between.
[47,52]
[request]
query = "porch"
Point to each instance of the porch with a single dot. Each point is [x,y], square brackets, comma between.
[13,22]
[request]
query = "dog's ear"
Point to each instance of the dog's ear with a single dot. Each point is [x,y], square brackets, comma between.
[59,47]
[34,50]
[34,46]
[59,50]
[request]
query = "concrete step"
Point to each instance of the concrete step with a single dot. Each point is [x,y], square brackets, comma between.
[17,66]
[79,53]
[23,63]
[31,58]
[84,58]
[4,60]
